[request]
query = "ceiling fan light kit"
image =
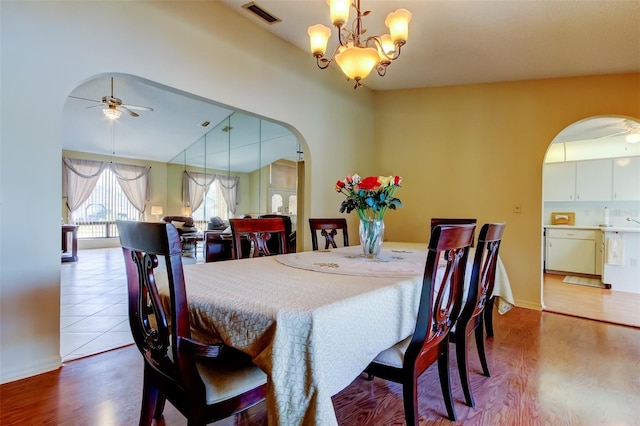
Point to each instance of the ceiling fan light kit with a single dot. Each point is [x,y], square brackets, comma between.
[633,137]
[112,113]
[357,56]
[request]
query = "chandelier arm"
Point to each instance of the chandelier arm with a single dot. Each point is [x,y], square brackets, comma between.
[322,60]
[382,69]
[378,44]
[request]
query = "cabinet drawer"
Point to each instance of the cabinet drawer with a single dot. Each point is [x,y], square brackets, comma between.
[576,234]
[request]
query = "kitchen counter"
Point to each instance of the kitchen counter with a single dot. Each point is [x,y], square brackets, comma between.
[600,228]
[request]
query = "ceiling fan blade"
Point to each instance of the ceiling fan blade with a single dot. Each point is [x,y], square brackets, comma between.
[622,132]
[138,107]
[131,113]
[85,99]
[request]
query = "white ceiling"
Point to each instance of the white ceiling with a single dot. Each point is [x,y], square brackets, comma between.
[456,42]
[450,43]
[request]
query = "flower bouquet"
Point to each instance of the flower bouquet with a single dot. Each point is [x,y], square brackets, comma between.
[370,197]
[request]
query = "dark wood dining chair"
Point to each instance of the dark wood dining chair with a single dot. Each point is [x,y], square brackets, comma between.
[205,383]
[471,317]
[259,231]
[440,304]
[328,228]
[488,312]
[289,233]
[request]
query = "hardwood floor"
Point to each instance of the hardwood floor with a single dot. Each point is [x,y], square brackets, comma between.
[546,369]
[616,307]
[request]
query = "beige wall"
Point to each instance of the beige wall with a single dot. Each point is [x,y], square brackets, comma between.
[48,48]
[203,48]
[477,151]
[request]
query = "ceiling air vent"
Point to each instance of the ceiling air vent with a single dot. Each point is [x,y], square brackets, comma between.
[261,13]
[204,123]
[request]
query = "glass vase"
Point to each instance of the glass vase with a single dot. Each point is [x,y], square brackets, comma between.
[371,236]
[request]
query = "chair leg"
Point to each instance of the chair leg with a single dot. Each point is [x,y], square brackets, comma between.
[410,401]
[479,332]
[149,400]
[463,367]
[159,406]
[445,384]
[488,316]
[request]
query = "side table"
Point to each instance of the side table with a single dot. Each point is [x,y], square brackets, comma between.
[191,240]
[69,232]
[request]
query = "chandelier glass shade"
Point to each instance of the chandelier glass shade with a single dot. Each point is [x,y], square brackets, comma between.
[356,55]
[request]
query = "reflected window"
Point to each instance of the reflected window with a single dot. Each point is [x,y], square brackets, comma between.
[213,205]
[293,205]
[276,203]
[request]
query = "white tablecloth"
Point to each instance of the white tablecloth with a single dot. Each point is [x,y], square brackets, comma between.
[312,332]
[395,260]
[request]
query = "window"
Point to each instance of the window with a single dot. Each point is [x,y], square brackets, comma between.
[213,205]
[107,203]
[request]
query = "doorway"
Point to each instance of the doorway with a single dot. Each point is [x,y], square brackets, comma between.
[583,145]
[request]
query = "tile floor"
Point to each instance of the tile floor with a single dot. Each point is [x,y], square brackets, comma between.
[93,303]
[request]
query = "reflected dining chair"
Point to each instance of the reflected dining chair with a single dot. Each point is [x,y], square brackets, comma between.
[205,383]
[440,304]
[470,320]
[258,231]
[328,228]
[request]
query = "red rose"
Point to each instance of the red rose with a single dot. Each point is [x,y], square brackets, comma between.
[397,180]
[369,183]
[340,184]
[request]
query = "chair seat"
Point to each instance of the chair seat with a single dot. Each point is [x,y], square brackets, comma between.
[393,356]
[225,381]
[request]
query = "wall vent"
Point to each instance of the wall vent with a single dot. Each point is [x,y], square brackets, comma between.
[204,123]
[261,13]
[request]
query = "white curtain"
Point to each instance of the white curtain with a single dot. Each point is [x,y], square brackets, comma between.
[229,188]
[79,178]
[134,181]
[194,186]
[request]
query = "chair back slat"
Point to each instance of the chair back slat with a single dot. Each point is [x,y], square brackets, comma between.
[442,288]
[483,273]
[158,325]
[259,231]
[435,221]
[328,228]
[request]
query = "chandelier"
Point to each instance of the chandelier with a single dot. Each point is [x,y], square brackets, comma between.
[356,55]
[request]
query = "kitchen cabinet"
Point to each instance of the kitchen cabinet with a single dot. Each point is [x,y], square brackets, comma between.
[616,179]
[626,179]
[572,250]
[559,181]
[594,180]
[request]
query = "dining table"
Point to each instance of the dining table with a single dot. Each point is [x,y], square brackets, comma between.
[312,321]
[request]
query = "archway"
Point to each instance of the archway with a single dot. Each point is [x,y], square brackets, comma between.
[591,165]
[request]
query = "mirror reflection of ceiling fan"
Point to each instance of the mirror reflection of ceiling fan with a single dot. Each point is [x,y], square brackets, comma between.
[113,107]
[626,127]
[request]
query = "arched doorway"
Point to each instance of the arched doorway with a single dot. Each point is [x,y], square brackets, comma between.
[170,131]
[591,178]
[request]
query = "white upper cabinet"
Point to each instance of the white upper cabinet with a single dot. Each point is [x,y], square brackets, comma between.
[626,179]
[594,180]
[559,181]
[616,179]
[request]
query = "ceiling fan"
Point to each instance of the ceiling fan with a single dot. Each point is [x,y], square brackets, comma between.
[626,127]
[113,106]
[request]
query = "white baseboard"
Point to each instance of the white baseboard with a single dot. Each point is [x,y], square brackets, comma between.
[22,373]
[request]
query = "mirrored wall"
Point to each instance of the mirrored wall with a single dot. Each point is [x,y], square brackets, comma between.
[243,166]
